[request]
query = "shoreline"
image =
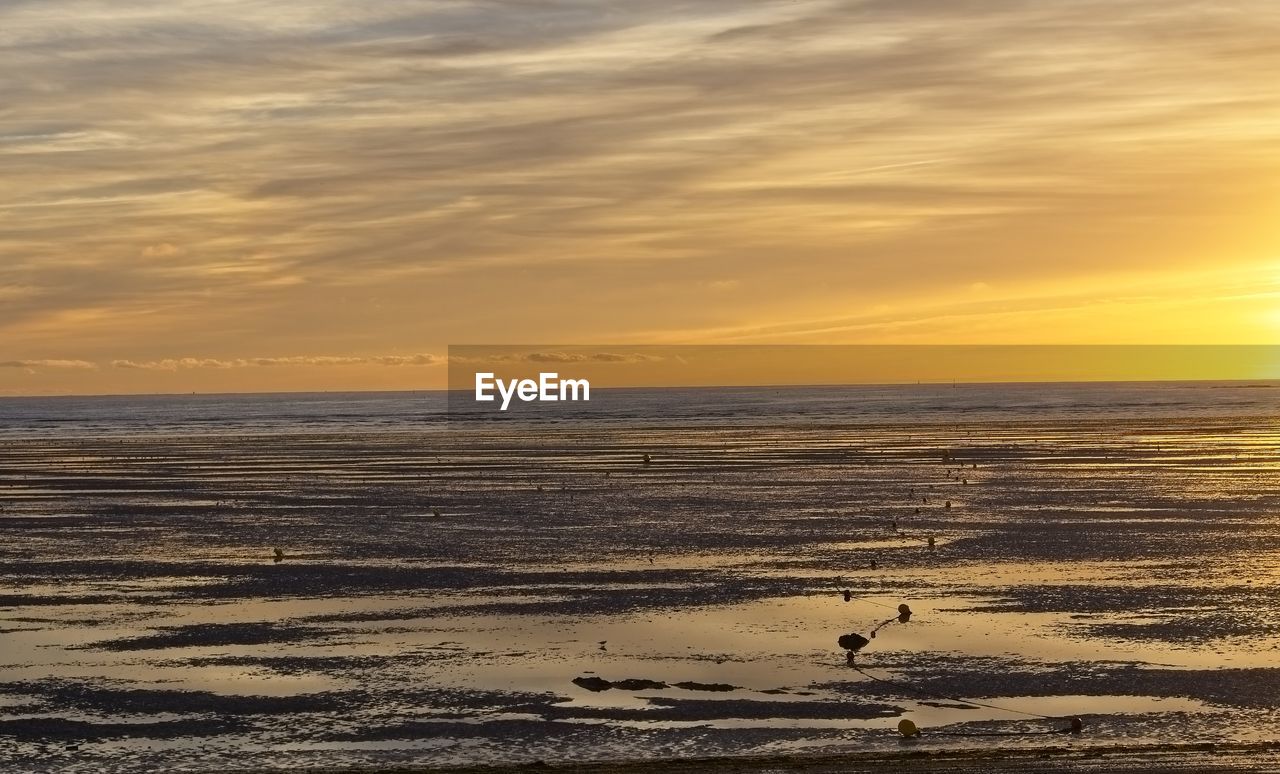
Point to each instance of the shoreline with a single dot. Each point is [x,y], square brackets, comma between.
[1187,758]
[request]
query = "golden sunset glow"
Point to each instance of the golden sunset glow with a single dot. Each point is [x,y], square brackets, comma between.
[320,195]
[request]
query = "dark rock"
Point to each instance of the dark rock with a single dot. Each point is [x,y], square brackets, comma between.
[718,687]
[639,685]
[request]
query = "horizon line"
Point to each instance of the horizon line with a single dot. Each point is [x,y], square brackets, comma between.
[1268,382]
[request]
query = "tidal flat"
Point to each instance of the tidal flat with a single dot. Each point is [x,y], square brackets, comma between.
[508,594]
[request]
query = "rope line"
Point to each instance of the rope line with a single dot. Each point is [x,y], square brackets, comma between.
[856,598]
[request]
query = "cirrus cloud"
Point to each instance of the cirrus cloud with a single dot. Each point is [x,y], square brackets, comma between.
[47,363]
[184,363]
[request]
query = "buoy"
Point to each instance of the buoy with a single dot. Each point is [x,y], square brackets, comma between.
[852,642]
[931,541]
[907,728]
[646,459]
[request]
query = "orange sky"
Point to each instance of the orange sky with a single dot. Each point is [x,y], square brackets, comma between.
[324,194]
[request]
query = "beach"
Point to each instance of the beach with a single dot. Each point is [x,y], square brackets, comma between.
[1145,759]
[451,592]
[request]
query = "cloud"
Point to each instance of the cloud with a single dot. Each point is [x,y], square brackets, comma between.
[174,364]
[160,250]
[400,360]
[557,357]
[625,357]
[76,364]
[307,361]
[306,173]
[554,357]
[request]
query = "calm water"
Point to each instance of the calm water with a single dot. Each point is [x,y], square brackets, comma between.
[397,411]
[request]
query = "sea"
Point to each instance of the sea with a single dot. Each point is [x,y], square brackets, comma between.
[740,406]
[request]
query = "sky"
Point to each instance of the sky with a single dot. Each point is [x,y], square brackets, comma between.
[241,195]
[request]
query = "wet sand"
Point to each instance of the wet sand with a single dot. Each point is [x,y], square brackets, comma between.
[1149,759]
[1123,572]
